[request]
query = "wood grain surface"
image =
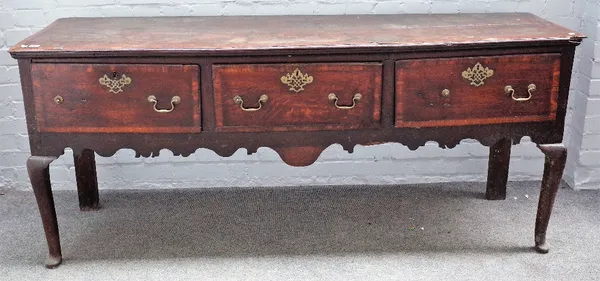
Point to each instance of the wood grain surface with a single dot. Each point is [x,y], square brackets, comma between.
[398,63]
[419,84]
[207,35]
[90,107]
[308,109]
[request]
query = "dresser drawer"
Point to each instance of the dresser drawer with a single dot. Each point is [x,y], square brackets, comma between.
[280,97]
[476,90]
[116,98]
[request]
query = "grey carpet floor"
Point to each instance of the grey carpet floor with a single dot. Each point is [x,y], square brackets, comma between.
[410,232]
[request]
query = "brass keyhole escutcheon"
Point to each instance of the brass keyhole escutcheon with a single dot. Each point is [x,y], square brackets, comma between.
[477,74]
[445,93]
[113,84]
[58,100]
[296,80]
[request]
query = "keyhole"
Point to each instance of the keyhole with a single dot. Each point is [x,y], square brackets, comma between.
[114,74]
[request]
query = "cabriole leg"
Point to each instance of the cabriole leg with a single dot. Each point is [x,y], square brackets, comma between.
[87,181]
[39,175]
[498,170]
[556,157]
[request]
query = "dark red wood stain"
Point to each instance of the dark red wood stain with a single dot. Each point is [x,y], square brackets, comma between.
[271,35]
[419,84]
[299,156]
[398,63]
[89,106]
[308,109]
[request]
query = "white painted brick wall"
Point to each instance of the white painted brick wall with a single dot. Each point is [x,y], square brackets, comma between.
[583,167]
[382,164]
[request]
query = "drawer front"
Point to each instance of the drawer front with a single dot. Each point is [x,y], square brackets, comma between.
[280,97]
[476,90]
[116,98]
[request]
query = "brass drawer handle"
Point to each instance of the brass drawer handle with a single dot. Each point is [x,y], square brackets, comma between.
[333,97]
[174,101]
[240,101]
[510,90]
[114,85]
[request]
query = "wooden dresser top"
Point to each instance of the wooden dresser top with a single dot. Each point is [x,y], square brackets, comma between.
[240,34]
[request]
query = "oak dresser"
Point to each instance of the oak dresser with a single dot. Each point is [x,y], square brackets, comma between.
[296,84]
